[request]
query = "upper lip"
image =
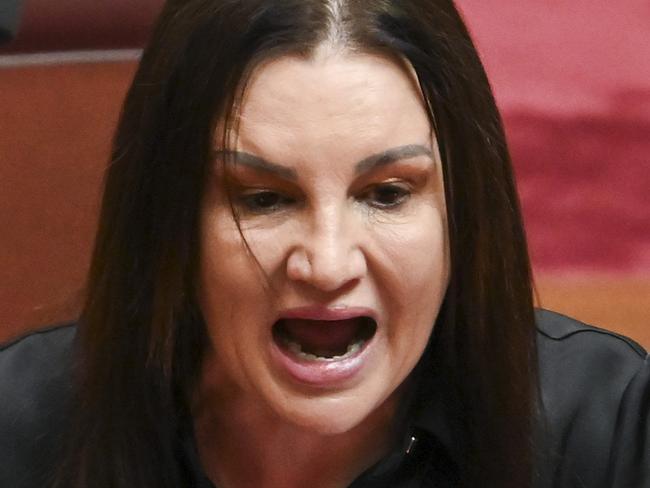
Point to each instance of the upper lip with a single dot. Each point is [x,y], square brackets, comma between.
[319,312]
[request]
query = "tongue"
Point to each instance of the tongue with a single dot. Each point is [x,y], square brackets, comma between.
[322,338]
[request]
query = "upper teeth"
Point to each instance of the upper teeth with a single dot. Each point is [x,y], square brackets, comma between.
[296,348]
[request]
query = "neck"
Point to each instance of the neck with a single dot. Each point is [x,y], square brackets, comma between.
[241,444]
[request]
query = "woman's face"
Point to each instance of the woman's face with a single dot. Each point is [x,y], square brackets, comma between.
[338,189]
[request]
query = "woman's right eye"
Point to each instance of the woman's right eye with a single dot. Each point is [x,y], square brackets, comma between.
[264,201]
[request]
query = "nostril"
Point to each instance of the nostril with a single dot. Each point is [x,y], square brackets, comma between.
[326,264]
[298,266]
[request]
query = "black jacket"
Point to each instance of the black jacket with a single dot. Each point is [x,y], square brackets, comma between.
[595,392]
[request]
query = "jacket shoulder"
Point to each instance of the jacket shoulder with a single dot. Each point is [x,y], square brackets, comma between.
[592,382]
[35,386]
[553,326]
[579,362]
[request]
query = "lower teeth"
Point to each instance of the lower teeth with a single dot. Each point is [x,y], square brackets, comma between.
[296,348]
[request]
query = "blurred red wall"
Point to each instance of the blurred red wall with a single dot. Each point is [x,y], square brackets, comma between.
[572,80]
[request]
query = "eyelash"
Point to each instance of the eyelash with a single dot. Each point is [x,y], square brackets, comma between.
[264,201]
[253,201]
[401,192]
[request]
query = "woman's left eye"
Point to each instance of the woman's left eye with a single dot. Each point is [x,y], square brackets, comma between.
[387,195]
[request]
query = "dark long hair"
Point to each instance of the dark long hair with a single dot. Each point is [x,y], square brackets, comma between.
[141,334]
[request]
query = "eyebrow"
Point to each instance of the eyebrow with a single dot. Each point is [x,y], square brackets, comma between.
[374,161]
[391,156]
[255,162]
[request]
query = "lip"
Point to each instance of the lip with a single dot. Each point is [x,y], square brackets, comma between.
[324,374]
[318,312]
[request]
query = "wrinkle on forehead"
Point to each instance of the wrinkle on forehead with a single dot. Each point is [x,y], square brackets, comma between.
[265,73]
[335,45]
[326,107]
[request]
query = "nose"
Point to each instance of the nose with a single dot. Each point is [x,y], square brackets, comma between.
[328,255]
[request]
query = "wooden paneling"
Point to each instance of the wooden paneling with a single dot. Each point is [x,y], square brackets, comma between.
[49,25]
[55,133]
[617,302]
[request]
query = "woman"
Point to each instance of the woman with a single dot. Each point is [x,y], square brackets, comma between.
[311,269]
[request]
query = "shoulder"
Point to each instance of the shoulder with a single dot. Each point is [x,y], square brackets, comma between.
[579,362]
[32,362]
[41,340]
[571,351]
[554,327]
[35,385]
[592,385]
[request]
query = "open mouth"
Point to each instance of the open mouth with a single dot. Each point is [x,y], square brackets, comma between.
[324,340]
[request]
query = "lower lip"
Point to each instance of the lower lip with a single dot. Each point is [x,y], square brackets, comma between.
[321,374]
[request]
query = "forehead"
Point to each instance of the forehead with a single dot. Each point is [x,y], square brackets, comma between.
[336,101]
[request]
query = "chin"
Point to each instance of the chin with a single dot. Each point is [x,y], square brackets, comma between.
[328,418]
[333,414]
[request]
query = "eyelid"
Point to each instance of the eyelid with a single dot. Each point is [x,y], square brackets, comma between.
[403,187]
[399,182]
[411,172]
[245,196]
[242,178]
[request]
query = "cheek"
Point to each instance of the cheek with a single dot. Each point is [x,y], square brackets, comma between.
[232,275]
[418,251]
[230,254]
[219,238]
[226,271]
[417,278]
[231,293]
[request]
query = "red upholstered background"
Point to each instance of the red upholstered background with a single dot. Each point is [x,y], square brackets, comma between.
[572,79]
